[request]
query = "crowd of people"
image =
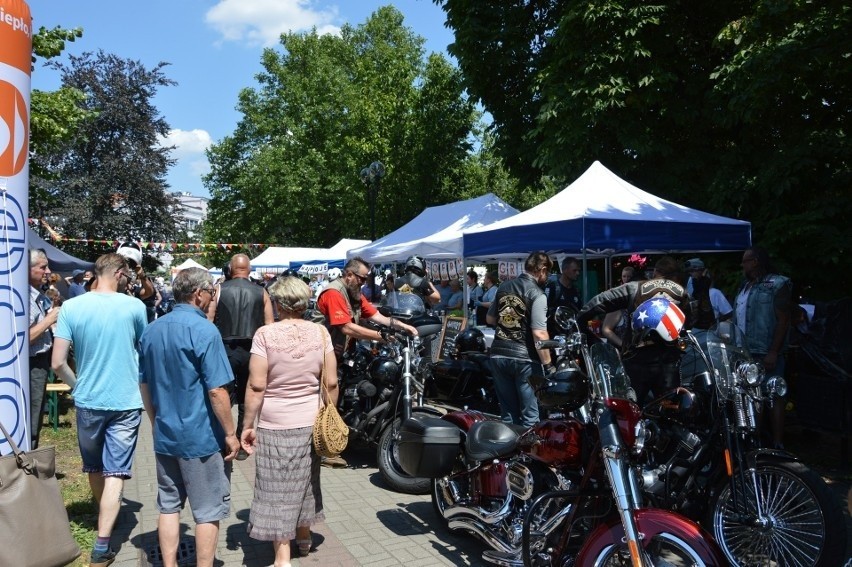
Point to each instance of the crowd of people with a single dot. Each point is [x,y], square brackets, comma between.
[238,343]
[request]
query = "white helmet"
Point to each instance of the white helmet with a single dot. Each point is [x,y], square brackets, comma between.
[131,251]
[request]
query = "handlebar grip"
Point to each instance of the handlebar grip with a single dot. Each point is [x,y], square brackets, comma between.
[540,345]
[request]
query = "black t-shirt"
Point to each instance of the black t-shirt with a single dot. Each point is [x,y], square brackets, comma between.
[560,296]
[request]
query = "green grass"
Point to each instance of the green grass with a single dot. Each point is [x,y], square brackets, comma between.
[74,484]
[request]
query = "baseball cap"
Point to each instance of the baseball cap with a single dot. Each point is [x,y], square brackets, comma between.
[76,273]
[693,264]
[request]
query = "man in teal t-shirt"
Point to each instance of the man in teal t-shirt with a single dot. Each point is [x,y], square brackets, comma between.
[104,326]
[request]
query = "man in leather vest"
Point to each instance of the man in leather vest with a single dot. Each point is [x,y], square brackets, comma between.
[240,308]
[343,306]
[762,312]
[653,366]
[519,311]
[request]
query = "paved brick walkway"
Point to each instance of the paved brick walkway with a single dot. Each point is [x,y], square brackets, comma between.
[366,524]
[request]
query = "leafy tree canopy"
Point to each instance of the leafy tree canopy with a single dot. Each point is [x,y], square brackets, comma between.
[106,178]
[325,107]
[734,107]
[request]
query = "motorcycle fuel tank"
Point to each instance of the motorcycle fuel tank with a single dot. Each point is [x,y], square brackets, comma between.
[555,442]
[679,406]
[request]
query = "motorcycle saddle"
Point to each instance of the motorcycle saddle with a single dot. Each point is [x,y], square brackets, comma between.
[491,439]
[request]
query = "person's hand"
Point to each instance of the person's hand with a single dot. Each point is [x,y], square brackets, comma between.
[248,440]
[549,369]
[232,447]
[410,330]
[52,315]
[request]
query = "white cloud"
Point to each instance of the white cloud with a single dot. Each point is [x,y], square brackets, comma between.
[188,143]
[261,22]
[199,167]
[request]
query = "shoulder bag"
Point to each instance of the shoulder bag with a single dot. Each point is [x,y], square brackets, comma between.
[31,510]
[331,434]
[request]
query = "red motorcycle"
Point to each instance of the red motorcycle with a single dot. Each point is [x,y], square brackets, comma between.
[563,492]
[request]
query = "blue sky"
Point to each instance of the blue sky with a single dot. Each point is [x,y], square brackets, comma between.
[214,48]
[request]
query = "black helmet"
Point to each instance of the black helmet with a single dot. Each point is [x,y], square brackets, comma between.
[384,371]
[567,389]
[470,340]
[417,265]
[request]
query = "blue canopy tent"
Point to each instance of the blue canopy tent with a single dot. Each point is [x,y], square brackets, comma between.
[600,214]
[58,261]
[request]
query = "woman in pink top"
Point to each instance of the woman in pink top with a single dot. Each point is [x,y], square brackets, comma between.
[286,364]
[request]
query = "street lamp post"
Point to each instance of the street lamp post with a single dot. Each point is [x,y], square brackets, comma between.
[371,177]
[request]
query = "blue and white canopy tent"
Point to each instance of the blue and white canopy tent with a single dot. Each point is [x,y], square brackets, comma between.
[277,259]
[436,233]
[601,215]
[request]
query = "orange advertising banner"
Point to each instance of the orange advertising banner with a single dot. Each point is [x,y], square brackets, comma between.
[16,34]
[16,410]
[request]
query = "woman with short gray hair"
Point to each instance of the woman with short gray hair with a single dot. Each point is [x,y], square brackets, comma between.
[285,384]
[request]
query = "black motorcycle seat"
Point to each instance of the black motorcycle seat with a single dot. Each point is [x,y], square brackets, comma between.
[491,439]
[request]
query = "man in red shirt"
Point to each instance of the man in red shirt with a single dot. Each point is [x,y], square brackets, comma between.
[344,307]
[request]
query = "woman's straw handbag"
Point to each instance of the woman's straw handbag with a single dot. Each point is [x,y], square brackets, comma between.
[330,433]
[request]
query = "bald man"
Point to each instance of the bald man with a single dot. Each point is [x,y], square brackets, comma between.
[239,309]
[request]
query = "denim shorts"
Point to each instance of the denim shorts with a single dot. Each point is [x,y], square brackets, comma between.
[205,481]
[107,440]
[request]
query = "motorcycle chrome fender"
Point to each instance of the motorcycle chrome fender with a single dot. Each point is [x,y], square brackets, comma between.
[652,523]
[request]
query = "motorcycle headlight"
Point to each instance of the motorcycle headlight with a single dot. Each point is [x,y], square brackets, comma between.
[775,386]
[752,373]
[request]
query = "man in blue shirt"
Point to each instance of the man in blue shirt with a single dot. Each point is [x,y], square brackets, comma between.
[77,285]
[184,377]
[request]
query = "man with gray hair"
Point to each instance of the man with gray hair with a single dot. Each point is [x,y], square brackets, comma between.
[185,375]
[42,318]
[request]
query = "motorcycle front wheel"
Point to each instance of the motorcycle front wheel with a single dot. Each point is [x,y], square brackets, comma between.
[784,515]
[387,456]
[664,550]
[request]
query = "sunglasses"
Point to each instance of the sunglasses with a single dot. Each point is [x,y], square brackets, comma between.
[361,279]
[210,290]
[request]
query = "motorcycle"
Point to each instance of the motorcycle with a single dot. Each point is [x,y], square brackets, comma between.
[463,381]
[563,492]
[381,387]
[708,462]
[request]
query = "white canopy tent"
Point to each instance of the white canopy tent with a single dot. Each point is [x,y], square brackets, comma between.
[278,258]
[188,263]
[436,233]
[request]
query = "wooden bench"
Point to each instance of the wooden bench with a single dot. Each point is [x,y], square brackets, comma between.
[53,391]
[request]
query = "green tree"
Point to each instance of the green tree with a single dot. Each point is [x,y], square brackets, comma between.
[106,179]
[738,108]
[324,107]
[54,115]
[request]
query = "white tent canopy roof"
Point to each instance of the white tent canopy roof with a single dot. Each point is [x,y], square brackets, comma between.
[279,257]
[188,263]
[436,233]
[601,214]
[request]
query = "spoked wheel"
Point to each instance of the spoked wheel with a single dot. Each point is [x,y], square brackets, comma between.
[664,550]
[784,515]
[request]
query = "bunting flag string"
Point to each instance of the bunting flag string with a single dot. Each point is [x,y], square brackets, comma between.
[198,247]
